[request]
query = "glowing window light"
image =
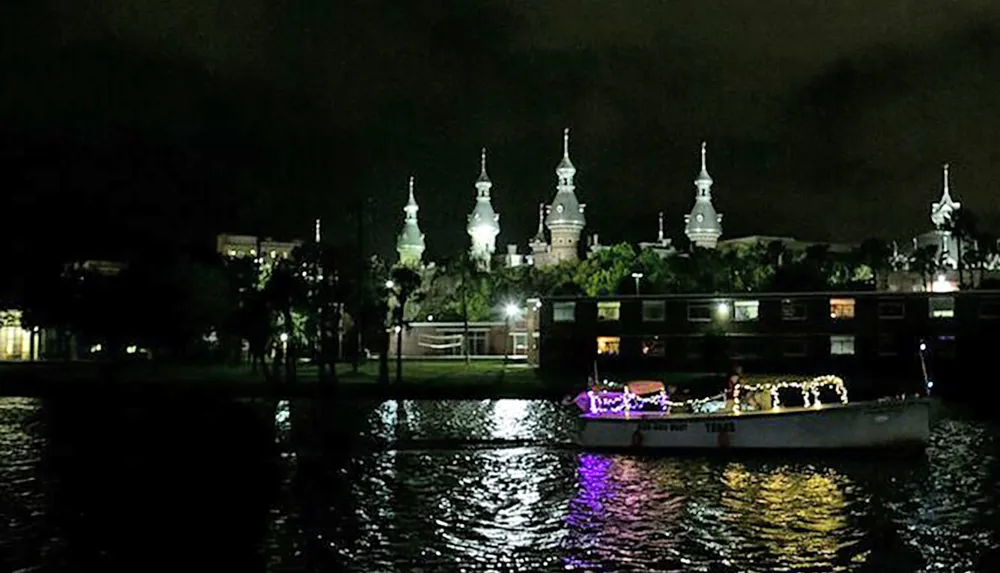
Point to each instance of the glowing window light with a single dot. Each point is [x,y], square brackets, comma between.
[722,309]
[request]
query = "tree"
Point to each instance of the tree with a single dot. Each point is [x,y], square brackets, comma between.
[924,261]
[405,283]
[602,272]
[284,293]
[323,304]
[962,226]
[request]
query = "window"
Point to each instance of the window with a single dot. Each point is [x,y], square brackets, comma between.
[841,308]
[887,345]
[942,306]
[841,345]
[653,347]
[701,312]
[792,310]
[519,343]
[989,309]
[563,311]
[608,311]
[450,342]
[794,347]
[746,310]
[654,310]
[891,310]
[608,345]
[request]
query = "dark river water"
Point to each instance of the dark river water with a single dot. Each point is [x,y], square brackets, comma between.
[101,485]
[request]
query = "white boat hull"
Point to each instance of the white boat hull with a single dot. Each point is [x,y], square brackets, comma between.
[859,425]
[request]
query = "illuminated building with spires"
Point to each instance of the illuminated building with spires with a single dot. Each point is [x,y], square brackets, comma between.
[410,243]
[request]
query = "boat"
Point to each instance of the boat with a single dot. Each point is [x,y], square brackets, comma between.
[642,416]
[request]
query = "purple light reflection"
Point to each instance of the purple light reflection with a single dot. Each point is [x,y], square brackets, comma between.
[624,509]
[586,515]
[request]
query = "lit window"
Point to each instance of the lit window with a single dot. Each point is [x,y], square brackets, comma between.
[699,312]
[841,308]
[563,311]
[746,310]
[654,310]
[841,345]
[792,310]
[608,345]
[608,310]
[942,306]
[891,310]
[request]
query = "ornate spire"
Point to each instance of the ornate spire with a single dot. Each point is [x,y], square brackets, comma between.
[540,235]
[410,243]
[411,205]
[483,177]
[703,225]
[941,212]
[566,170]
[317,237]
[659,234]
[483,223]
[704,180]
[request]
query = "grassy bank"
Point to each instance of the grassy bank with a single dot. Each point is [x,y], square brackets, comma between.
[479,379]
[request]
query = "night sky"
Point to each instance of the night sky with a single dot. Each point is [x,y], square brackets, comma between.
[124,122]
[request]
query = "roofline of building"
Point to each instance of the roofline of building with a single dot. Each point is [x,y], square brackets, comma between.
[771,295]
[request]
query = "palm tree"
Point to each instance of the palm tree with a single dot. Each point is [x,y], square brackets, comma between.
[924,261]
[405,283]
[962,226]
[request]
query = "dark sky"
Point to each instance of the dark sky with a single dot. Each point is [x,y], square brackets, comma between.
[124,121]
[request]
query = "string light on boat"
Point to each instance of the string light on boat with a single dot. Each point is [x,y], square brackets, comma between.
[809,389]
[627,401]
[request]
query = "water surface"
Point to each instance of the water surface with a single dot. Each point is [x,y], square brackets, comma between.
[453,486]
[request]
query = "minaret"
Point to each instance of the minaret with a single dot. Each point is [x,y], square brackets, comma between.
[942,211]
[484,223]
[703,226]
[410,244]
[538,245]
[565,218]
[662,246]
[317,237]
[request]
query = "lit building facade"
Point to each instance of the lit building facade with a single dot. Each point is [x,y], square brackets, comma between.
[483,223]
[16,342]
[242,246]
[856,335]
[565,219]
[410,244]
[703,226]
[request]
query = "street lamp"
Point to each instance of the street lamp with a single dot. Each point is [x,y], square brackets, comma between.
[510,310]
[637,276]
[389,284]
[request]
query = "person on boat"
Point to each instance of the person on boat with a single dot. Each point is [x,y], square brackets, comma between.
[735,375]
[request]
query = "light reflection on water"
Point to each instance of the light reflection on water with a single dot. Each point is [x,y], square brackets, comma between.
[497,486]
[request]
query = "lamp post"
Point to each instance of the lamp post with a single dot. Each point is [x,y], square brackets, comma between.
[510,310]
[637,276]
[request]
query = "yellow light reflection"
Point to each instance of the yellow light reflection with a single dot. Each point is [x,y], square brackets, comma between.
[794,514]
